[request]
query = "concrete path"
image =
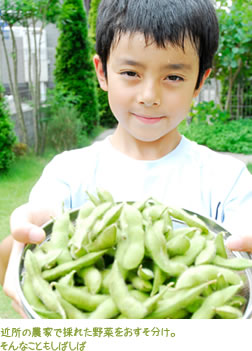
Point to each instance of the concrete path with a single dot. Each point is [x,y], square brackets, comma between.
[245,158]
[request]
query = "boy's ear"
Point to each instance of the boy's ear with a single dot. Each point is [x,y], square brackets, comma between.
[205,76]
[100,73]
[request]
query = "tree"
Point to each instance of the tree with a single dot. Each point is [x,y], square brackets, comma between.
[74,71]
[7,136]
[33,15]
[234,53]
[10,14]
[106,117]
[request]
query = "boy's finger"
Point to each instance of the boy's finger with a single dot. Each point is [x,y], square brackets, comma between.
[25,222]
[240,243]
[28,233]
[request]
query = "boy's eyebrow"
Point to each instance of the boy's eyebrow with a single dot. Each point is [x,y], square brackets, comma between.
[175,66]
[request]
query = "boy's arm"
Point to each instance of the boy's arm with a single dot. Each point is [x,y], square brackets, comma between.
[5,250]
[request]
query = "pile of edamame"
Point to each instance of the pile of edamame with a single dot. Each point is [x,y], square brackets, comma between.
[128,260]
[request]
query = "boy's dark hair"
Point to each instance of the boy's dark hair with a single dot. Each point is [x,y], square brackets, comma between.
[161,21]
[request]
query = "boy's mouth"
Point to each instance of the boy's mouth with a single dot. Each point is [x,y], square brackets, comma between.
[148,119]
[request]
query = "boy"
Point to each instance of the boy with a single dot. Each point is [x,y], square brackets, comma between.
[153,58]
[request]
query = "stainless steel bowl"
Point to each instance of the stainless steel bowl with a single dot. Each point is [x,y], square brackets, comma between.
[212,225]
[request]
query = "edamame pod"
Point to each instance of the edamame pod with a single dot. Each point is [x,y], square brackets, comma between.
[207,255]
[92,279]
[80,297]
[236,263]
[107,309]
[132,227]
[126,303]
[216,299]
[64,268]
[41,287]
[155,243]
[228,312]
[197,244]
[180,300]
[196,275]
[190,220]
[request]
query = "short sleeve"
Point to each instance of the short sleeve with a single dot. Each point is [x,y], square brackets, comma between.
[237,209]
[52,187]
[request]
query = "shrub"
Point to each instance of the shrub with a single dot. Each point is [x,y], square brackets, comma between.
[106,117]
[74,71]
[211,127]
[64,129]
[7,136]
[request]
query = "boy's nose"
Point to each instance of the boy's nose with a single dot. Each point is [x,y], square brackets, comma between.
[149,95]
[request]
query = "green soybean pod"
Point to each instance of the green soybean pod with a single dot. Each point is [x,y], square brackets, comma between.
[185,231]
[126,303]
[207,255]
[64,268]
[228,312]
[155,243]
[68,279]
[84,227]
[220,246]
[80,297]
[145,273]
[132,227]
[196,275]
[195,305]
[190,220]
[217,299]
[47,259]
[110,217]
[104,195]
[197,244]
[177,301]
[60,237]
[236,263]
[71,311]
[159,279]
[237,301]
[153,213]
[92,279]
[30,295]
[40,286]
[139,295]
[106,310]
[178,245]
[140,284]
[105,240]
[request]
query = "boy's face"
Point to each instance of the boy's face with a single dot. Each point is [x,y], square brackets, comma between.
[150,89]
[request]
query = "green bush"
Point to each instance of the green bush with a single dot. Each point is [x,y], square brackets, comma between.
[7,136]
[74,71]
[106,117]
[211,127]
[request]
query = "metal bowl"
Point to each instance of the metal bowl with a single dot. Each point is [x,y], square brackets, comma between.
[212,225]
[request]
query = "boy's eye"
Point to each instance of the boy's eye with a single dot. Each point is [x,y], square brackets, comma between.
[174,78]
[129,74]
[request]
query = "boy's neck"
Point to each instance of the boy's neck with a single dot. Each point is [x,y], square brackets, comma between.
[144,150]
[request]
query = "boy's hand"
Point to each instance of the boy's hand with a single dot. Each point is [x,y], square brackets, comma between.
[24,224]
[240,243]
